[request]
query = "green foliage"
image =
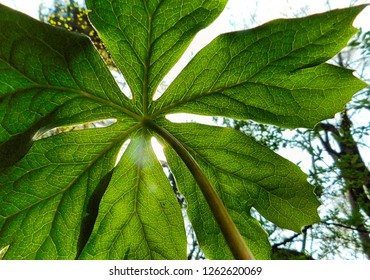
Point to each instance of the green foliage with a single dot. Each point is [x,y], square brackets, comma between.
[287,254]
[70,16]
[64,197]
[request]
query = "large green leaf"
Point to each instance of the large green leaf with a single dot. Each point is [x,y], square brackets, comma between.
[146,38]
[62,193]
[144,207]
[273,73]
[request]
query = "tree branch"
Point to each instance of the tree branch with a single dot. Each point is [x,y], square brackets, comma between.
[334,154]
[287,240]
[346,226]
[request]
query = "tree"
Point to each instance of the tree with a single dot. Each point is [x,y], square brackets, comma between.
[73,17]
[340,140]
[76,199]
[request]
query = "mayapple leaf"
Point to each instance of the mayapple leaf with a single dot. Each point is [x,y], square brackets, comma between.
[138,216]
[146,38]
[66,190]
[274,73]
[246,174]
[247,171]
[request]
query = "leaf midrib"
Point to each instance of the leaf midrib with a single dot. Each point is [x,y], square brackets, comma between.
[248,80]
[36,85]
[147,63]
[79,92]
[91,163]
[219,169]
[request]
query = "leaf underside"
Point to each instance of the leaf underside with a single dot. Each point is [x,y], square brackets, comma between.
[62,196]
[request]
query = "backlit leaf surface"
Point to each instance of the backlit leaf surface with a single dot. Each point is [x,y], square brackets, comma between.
[64,194]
